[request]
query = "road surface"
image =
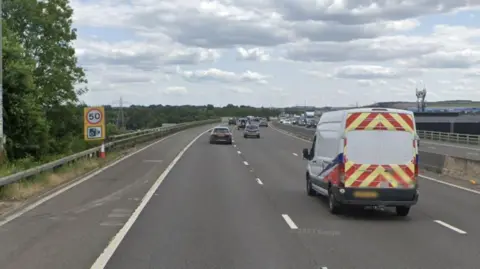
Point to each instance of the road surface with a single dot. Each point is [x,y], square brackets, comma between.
[236,207]
[471,152]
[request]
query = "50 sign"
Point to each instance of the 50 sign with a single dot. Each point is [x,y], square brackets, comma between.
[94,123]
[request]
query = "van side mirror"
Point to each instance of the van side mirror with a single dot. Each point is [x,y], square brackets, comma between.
[306,154]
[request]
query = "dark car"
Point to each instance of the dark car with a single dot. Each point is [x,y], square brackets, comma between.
[220,135]
[232,121]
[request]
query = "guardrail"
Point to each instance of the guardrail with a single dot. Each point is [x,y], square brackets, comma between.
[450,137]
[428,135]
[120,141]
[136,133]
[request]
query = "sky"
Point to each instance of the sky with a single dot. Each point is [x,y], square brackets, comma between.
[277,52]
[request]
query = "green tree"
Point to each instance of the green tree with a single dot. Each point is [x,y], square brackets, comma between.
[25,125]
[44,31]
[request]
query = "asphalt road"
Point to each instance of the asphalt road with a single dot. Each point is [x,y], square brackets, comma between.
[246,207]
[235,207]
[470,152]
[72,229]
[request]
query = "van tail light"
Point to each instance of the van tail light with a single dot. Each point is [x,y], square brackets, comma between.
[341,174]
[416,166]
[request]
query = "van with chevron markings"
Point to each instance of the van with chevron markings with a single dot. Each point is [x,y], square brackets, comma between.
[364,157]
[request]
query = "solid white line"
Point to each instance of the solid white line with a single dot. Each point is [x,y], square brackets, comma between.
[289,221]
[54,194]
[449,184]
[239,152]
[245,163]
[103,259]
[295,154]
[259,181]
[288,134]
[450,227]
[422,176]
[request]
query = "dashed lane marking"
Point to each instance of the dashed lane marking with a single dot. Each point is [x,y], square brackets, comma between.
[295,154]
[245,163]
[453,228]
[290,222]
[259,181]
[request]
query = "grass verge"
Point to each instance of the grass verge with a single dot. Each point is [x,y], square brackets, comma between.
[13,195]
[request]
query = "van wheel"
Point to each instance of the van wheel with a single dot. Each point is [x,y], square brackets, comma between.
[310,190]
[402,211]
[333,205]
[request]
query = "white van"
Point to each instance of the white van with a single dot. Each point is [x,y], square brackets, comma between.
[364,157]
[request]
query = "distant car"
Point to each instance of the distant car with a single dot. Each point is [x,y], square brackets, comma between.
[263,123]
[221,134]
[241,124]
[232,121]
[311,124]
[251,130]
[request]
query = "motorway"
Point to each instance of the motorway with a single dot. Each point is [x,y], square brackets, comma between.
[234,207]
[470,152]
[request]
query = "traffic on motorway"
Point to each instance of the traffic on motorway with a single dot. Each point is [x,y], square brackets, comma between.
[209,197]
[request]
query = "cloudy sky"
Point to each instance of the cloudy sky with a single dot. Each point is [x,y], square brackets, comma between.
[278,52]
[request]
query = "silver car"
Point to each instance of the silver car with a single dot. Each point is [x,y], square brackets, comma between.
[251,130]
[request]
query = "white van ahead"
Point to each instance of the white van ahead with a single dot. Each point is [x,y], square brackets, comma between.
[364,157]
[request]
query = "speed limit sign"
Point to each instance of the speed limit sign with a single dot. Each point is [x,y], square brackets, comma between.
[94,123]
[94,116]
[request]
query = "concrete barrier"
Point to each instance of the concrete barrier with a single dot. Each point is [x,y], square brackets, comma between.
[460,168]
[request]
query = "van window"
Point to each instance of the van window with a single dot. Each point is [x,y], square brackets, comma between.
[379,147]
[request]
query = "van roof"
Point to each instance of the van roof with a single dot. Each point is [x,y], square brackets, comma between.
[340,115]
[378,109]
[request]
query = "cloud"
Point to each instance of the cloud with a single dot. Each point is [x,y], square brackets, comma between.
[217,75]
[176,90]
[368,72]
[255,54]
[141,55]
[335,52]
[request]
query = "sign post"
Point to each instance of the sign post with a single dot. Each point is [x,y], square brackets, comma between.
[94,126]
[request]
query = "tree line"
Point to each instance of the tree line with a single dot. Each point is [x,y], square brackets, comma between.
[42,83]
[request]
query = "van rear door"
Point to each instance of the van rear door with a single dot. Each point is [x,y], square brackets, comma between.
[380,150]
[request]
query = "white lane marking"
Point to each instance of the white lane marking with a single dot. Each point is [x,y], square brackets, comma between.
[288,134]
[289,221]
[245,163]
[472,153]
[259,181]
[449,184]
[107,253]
[432,147]
[234,146]
[295,154]
[444,224]
[118,215]
[78,182]
[239,152]
[422,176]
